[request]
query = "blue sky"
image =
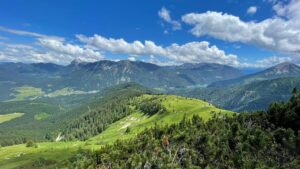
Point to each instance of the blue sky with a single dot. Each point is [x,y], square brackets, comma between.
[256,33]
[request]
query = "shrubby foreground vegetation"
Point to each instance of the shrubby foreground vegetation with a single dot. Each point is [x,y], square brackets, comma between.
[260,139]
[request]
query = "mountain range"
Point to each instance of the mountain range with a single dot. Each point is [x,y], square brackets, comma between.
[96,76]
[219,84]
[285,69]
[250,92]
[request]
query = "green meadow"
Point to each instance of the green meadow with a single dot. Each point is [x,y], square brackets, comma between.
[27,92]
[8,117]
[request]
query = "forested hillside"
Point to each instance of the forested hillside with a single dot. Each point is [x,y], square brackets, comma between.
[106,111]
[45,119]
[144,112]
[261,139]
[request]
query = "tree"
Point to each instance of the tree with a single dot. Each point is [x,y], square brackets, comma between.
[31,143]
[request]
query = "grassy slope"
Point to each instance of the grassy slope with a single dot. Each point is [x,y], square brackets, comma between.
[18,155]
[175,105]
[8,117]
[29,92]
[41,116]
[25,92]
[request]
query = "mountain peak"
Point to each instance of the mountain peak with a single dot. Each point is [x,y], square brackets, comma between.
[76,61]
[285,64]
[284,68]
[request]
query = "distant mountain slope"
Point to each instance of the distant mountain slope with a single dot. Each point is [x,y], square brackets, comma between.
[246,97]
[84,76]
[285,69]
[206,73]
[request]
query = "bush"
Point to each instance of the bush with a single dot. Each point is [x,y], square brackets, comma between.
[127,130]
[31,143]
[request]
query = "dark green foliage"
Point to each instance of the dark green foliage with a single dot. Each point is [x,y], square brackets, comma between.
[249,140]
[39,163]
[127,130]
[286,115]
[75,117]
[82,160]
[31,143]
[151,107]
[114,107]
[60,109]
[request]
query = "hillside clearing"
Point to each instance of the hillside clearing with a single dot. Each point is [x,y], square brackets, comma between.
[27,92]
[8,117]
[177,107]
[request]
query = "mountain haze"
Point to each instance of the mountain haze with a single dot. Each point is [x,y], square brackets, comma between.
[285,69]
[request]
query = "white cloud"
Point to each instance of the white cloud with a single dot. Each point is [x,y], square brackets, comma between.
[252,10]
[277,33]
[60,54]
[75,51]
[187,53]
[271,61]
[290,10]
[131,58]
[57,50]
[45,49]
[165,15]
[25,53]
[27,33]
[120,46]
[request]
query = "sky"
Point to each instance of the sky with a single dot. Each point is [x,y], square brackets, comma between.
[239,33]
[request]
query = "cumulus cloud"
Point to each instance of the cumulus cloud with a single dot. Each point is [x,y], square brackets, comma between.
[58,50]
[165,15]
[25,53]
[271,61]
[277,33]
[251,10]
[131,58]
[45,49]
[75,51]
[187,53]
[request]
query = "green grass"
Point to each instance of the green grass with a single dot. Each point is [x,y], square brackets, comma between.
[177,107]
[64,92]
[8,117]
[41,116]
[27,92]
[18,155]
